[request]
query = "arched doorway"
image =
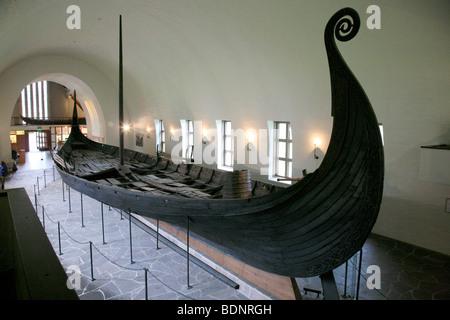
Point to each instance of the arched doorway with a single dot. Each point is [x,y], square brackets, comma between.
[75,75]
[88,102]
[43,112]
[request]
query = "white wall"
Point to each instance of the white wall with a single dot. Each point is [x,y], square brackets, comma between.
[249,62]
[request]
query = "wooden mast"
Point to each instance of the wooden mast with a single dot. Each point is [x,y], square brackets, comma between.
[120,94]
[74,113]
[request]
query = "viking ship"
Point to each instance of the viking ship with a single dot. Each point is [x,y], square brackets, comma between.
[303,230]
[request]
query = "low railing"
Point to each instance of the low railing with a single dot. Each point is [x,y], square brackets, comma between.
[29,267]
[18,121]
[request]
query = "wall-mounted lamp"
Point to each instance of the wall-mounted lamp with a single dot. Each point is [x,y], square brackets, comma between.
[172,137]
[317,142]
[204,137]
[250,138]
[148,131]
[126,127]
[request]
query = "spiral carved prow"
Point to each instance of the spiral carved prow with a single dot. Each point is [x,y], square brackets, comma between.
[345,23]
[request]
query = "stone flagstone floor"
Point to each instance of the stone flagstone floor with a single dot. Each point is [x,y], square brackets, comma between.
[116,275]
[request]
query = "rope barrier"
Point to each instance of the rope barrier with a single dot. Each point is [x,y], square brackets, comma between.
[92,245]
[146,270]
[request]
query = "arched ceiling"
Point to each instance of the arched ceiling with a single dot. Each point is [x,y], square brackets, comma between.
[216,59]
[91,107]
[177,53]
[185,57]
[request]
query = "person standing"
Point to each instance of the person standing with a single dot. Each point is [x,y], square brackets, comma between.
[3,173]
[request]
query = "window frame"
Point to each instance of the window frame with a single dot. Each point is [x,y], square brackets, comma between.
[286,157]
[160,136]
[188,138]
[227,151]
[221,147]
[34,99]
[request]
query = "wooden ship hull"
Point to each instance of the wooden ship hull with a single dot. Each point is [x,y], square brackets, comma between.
[303,230]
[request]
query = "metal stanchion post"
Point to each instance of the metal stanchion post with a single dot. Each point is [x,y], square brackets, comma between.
[157,234]
[345,284]
[131,239]
[187,253]
[103,227]
[81,200]
[146,283]
[43,218]
[359,274]
[45,180]
[92,262]
[35,201]
[62,182]
[59,238]
[37,182]
[70,205]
